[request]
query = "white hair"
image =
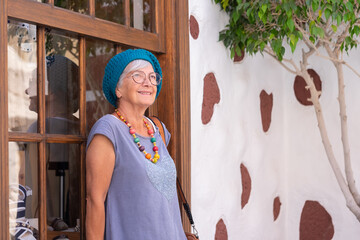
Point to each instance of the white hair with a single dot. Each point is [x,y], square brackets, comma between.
[132,66]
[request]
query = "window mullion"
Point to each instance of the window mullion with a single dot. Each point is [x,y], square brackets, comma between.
[4,159]
[41,60]
[92,8]
[82,115]
[127,13]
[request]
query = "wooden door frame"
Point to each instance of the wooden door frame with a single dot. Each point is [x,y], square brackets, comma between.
[173,104]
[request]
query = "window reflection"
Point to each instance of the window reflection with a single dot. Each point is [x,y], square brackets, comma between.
[62,84]
[23,209]
[111,10]
[98,55]
[63,186]
[22,71]
[80,6]
[142,15]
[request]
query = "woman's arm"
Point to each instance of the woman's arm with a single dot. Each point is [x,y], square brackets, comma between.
[100,162]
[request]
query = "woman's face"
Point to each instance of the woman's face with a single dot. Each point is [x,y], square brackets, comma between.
[142,95]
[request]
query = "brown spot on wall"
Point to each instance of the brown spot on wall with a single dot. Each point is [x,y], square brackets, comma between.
[238,58]
[221,231]
[210,98]
[266,104]
[302,94]
[194,27]
[315,223]
[276,207]
[246,185]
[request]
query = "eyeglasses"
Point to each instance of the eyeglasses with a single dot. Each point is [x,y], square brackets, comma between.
[139,77]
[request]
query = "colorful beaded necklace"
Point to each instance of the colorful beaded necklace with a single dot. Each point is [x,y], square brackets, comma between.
[137,140]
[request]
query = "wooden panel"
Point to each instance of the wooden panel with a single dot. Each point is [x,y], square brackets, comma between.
[50,138]
[82,82]
[173,104]
[83,24]
[41,126]
[82,190]
[4,159]
[127,12]
[71,235]
[159,21]
[182,87]
[165,104]
[92,8]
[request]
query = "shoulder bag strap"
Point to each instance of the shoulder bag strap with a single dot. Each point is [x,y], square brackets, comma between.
[185,204]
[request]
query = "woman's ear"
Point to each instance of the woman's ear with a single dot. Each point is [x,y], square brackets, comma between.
[118,93]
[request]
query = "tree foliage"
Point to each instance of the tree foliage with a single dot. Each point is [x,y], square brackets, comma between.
[256,24]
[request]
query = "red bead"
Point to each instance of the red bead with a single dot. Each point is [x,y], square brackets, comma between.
[150,131]
[155,148]
[132,131]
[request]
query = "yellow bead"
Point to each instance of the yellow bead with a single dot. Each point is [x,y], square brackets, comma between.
[154,160]
[156,156]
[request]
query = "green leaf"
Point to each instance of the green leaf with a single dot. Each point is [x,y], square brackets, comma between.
[315,5]
[260,14]
[232,53]
[271,36]
[236,16]
[312,39]
[338,19]
[349,6]
[264,7]
[334,28]
[262,46]
[356,30]
[327,13]
[225,3]
[290,24]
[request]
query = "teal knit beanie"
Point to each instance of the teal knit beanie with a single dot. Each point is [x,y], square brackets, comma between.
[116,66]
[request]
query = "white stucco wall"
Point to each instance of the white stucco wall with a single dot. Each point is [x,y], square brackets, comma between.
[287,161]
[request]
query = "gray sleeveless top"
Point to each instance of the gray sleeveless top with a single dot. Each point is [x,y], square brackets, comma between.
[142,200]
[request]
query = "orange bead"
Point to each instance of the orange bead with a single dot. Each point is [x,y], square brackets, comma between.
[148,156]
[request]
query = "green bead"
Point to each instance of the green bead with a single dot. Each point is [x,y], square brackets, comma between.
[136,140]
[153,139]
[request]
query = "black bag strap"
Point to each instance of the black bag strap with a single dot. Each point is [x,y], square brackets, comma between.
[182,197]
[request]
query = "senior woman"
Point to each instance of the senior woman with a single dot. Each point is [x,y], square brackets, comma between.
[130,176]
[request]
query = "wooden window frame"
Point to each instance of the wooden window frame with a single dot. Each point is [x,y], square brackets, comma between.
[169,43]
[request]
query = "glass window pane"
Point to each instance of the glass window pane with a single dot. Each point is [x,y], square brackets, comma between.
[80,6]
[23,188]
[22,72]
[63,187]
[111,10]
[98,55]
[62,83]
[142,15]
